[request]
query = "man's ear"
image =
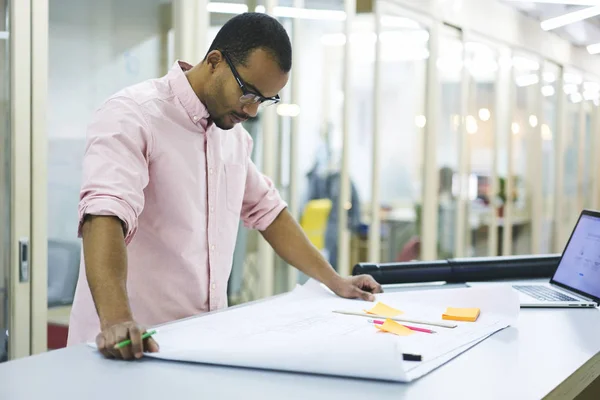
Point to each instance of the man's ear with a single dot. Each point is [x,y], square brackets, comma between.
[213,59]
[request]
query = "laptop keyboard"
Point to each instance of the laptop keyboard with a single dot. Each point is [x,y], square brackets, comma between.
[543,293]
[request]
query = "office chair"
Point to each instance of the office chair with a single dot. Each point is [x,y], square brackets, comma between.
[63,271]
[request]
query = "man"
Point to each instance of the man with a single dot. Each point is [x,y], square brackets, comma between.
[167,174]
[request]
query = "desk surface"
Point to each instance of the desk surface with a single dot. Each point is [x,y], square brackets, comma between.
[546,348]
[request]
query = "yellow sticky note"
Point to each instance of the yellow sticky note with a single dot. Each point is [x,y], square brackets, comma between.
[395,328]
[461,314]
[384,310]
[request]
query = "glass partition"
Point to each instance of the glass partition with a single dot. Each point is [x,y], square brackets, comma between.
[451,183]
[591,97]
[482,65]
[404,54]
[523,127]
[318,152]
[363,45]
[572,88]
[548,132]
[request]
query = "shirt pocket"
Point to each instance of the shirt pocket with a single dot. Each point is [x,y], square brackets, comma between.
[235,184]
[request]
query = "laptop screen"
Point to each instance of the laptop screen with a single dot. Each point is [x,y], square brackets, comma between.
[579,267]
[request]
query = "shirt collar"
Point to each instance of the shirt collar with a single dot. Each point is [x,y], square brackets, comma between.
[180,86]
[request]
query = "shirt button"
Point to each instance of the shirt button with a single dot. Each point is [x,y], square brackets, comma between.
[214,286]
[195,118]
[212,209]
[210,171]
[212,247]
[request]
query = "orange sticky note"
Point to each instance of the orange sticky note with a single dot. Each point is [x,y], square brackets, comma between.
[395,328]
[384,310]
[461,314]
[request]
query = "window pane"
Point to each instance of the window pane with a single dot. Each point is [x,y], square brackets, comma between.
[482,65]
[548,132]
[451,183]
[405,50]
[572,88]
[591,93]
[95,49]
[525,120]
[320,127]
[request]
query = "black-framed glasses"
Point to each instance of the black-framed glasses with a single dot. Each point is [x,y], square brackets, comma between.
[248,96]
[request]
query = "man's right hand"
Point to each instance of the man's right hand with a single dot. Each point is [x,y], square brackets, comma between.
[113,334]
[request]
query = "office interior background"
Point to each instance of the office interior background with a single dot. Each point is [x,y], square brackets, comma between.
[410,130]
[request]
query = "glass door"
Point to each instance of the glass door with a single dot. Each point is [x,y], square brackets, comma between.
[548,132]
[5,192]
[450,138]
[571,183]
[15,178]
[404,41]
[523,127]
[481,121]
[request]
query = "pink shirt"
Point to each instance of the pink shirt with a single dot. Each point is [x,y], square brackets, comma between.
[180,184]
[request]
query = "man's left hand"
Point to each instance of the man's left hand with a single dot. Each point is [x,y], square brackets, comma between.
[357,287]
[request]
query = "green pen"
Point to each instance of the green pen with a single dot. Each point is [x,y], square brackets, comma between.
[127,342]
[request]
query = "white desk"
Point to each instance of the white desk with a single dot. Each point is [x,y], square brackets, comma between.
[546,349]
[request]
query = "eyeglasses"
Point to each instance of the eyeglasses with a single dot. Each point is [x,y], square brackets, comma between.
[248,96]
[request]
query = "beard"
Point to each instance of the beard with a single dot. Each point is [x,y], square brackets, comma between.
[223,122]
[215,109]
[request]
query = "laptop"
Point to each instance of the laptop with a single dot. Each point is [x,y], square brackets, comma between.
[576,281]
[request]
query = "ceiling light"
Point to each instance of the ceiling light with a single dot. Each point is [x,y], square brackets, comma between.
[420,121]
[226,8]
[546,132]
[333,39]
[307,13]
[481,66]
[515,128]
[548,91]
[523,63]
[409,37]
[562,2]
[484,114]
[527,80]
[390,21]
[533,121]
[549,77]
[594,48]
[471,125]
[288,110]
[570,18]
[576,98]
[284,12]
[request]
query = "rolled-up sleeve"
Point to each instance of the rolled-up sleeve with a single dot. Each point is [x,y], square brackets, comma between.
[262,202]
[115,164]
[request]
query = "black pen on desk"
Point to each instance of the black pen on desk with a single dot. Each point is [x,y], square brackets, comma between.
[411,357]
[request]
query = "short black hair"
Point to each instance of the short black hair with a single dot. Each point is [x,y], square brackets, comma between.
[247,32]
